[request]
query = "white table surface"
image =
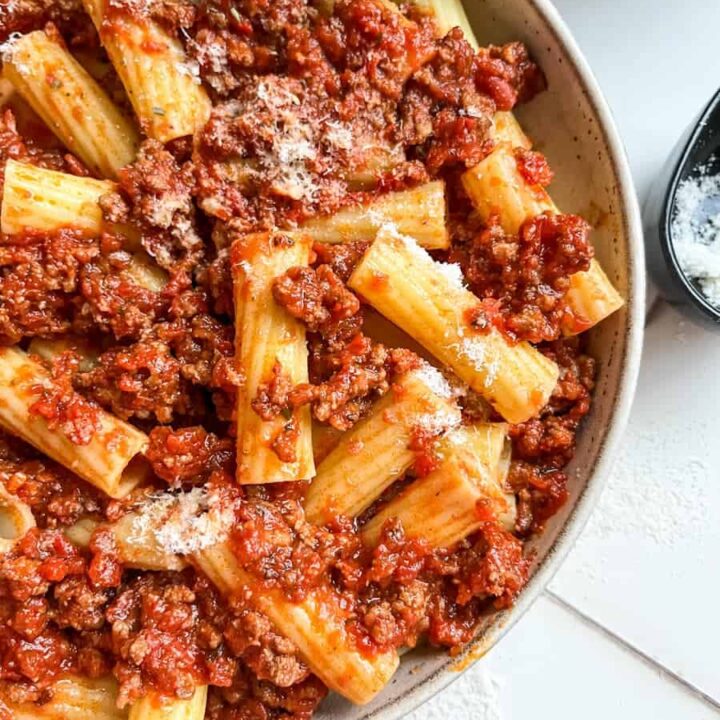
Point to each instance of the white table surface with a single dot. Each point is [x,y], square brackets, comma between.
[630,626]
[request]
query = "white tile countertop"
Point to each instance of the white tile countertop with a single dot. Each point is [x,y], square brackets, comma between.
[630,626]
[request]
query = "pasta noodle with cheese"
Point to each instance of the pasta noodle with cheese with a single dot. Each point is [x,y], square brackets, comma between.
[442,507]
[168,101]
[76,698]
[405,284]
[378,450]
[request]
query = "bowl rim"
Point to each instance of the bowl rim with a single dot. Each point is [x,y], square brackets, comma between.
[453,668]
[667,243]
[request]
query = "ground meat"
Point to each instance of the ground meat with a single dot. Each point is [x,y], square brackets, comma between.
[190,456]
[114,301]
[26,15]
[533,166]
[358,375]
[493,566]
[507,75]
[272,396]
[272,657]
[341,258]
[142,380]
[529,273]
[79,606]
[156,196]
[444,115]
[348,370]
[543,446]
[61,407]
[316,296]
[162,374]
[54,494]
[32,650]
[39,273]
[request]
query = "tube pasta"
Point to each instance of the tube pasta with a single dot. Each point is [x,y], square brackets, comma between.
[405,284]
[316,626]
[377,451]
[50,348]
[138,547]
[136,544]
[169,102]
[418,212]
[71,103]
[442,507]
[104,462]
[591,298]
[80,533]
[506,129]
[152,707]
[376,159]
[45,200]
[267,340]
[76,698]
[496,187]
[16,519]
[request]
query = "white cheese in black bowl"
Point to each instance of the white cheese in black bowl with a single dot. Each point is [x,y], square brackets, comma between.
[682,221]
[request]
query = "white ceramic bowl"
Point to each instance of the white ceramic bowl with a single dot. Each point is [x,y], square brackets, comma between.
[571,123]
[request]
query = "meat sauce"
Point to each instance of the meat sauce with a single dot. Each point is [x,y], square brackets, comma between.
[303,104]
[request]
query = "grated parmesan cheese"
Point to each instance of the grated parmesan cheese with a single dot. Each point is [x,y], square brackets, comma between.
[475,349]
[441,421]
[7,50]
[452,272]
[696,232]
[435,381]
[184,523]
[293,143]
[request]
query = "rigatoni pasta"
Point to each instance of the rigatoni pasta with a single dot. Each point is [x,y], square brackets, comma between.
[443,507]
[153,707]
[35,198]
[316,625]
[41,200]
[16,519]
[378,450]
[168,100]
[102,461]
[270,346]
[71,103]
[497,188]
[419,212]
[76,698]
[400,280]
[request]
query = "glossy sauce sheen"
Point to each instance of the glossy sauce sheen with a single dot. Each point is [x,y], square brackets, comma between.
[302,104]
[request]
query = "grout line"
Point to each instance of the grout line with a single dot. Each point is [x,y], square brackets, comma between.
[633,649]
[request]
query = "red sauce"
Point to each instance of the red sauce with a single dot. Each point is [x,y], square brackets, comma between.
[310,114]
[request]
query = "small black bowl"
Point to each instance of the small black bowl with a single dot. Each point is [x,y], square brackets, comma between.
[699,146]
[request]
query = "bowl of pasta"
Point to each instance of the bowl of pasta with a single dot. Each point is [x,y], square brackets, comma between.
[308,376]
